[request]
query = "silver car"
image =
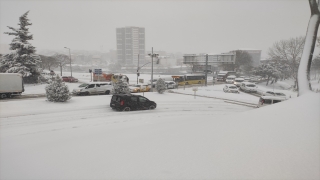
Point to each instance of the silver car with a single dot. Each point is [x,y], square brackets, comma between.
[170,84]
[238,81]
[229,88]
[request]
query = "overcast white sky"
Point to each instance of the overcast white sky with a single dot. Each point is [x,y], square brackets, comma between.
[172,26]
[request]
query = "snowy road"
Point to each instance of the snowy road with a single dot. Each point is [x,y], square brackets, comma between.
[184,138]
[95,110]
[47,135]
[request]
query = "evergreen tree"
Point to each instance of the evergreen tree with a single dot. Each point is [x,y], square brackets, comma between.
[120,87]
[57,91]
[22,59]
[160,86]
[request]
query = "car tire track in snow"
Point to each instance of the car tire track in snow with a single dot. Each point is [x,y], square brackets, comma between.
[91,115]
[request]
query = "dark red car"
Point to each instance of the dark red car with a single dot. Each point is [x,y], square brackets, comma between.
[69,79]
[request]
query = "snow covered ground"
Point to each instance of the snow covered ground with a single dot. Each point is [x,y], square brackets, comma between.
[183,138]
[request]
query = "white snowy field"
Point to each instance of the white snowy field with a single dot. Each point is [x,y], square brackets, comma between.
[183,138]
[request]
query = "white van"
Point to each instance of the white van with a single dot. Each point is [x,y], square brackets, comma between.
[248,87]
[230,79]
[93,88]
[267,100]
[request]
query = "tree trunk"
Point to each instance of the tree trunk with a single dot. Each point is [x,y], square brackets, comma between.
[304,85]
[268,80]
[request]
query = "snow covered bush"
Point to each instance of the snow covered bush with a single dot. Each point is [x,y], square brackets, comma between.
[120,87]
[57,91]
[160,86]
[22,59]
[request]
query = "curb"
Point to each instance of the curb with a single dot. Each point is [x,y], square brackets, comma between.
[225,100]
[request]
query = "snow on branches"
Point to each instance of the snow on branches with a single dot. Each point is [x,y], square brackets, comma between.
[120,87]
[22,59]
[57,91]
[160,86]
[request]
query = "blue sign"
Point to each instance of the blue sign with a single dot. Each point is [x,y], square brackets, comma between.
[98,71]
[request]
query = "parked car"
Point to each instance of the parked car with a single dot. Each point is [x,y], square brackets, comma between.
[69,79]
[248,87]
[154,82]
[230,88]
[246,79]
[139,88]
[128,102]
[93,88]
[170,84]
[230,79]
[267,100]
[237,81]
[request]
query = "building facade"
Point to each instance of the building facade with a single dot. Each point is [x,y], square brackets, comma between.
[130,45]
[198,61]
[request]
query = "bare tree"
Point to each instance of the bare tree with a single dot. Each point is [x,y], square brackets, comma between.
[243,60]
[62,61]
[289,51]
[48,62]
[315,67]
[307,55]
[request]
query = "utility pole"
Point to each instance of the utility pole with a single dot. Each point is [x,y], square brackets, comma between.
[138,69]
[152,55]
[152,70]
[206,71]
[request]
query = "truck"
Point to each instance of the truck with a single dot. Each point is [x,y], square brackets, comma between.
[109,77]
[222,75]
[10,84]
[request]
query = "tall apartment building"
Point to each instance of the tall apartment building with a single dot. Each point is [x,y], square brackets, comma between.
[130,43]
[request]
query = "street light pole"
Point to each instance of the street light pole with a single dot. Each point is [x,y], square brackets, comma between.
[70,60]
[152,55]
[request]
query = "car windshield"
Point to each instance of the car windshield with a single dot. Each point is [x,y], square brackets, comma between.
[238,80]
[280,94]
[232,87]
[83,85]
[251,85]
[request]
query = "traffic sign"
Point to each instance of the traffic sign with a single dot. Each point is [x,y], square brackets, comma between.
[98,71]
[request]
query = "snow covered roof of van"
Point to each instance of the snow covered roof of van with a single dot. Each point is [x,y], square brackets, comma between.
[273,97]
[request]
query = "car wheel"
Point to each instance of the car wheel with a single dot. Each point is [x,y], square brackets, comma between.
[187,83]
[86,93]
[107,92]
[199,82]
[152,107]
[3,96]
[126,109]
